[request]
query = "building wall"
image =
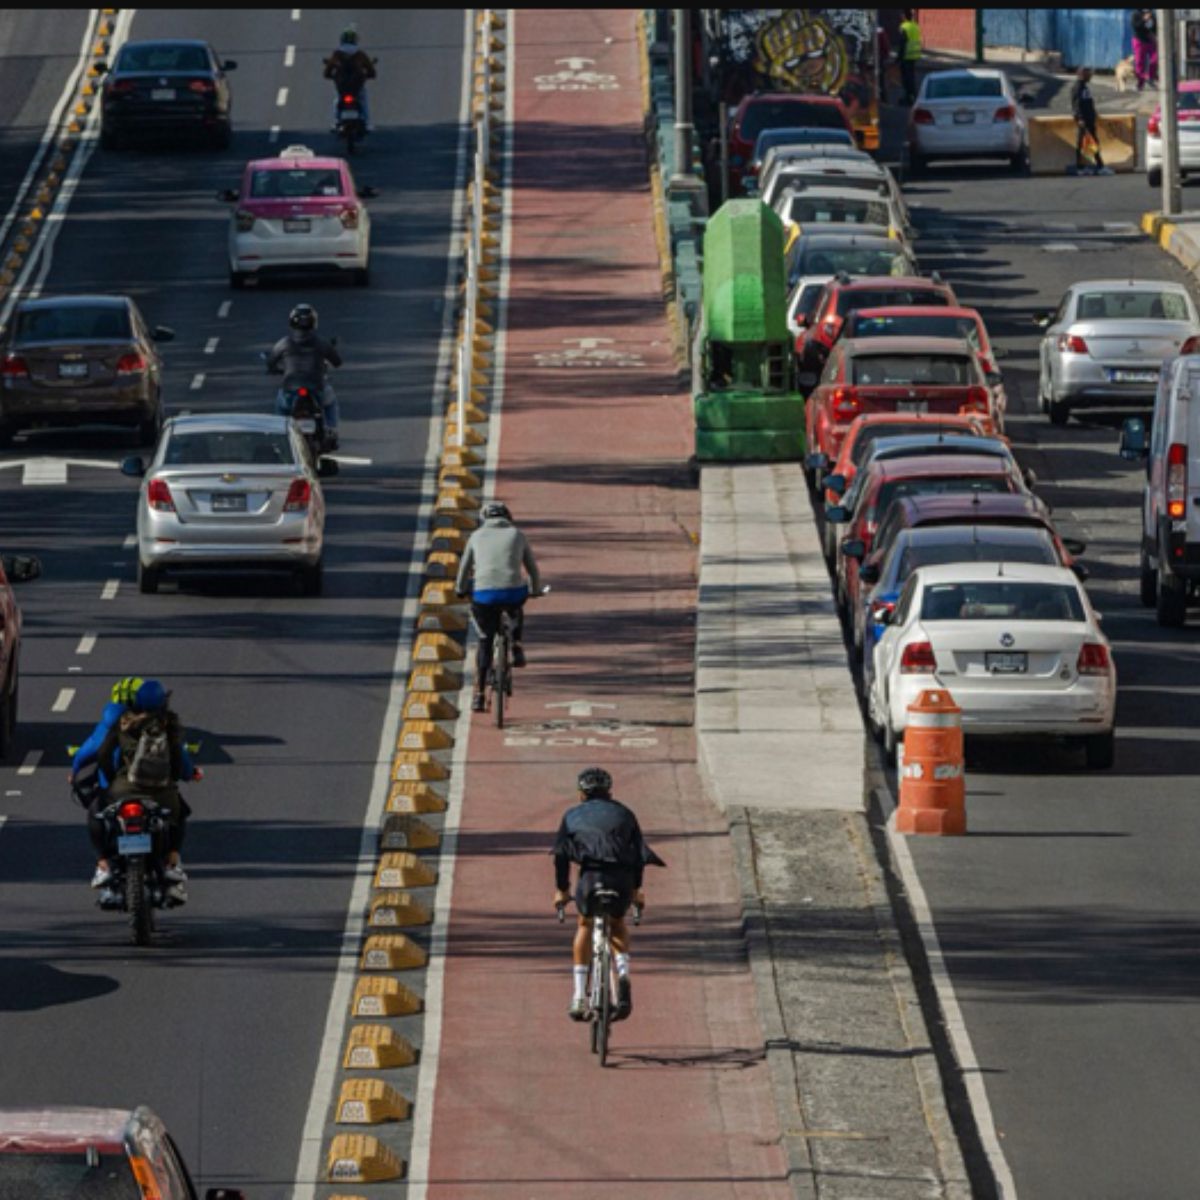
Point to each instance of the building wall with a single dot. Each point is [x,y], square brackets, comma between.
[948,28]
[1092,37]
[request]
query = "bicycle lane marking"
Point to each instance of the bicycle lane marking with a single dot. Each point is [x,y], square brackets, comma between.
[592,462]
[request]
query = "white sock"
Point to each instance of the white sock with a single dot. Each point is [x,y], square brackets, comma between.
[622,961]
[581,974]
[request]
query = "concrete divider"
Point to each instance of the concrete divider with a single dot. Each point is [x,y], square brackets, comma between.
[1052,143]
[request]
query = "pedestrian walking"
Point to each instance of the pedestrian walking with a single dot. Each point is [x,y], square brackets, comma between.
[908,53]
[1145,47]
[1083,109]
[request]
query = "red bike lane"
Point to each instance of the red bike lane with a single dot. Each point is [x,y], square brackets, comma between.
[595,435]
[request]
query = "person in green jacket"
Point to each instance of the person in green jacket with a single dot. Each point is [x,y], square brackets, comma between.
[908,53]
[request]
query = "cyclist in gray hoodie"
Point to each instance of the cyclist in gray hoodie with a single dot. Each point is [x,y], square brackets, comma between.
[497,558]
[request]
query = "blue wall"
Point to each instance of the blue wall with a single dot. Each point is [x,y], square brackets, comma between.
[1093,37]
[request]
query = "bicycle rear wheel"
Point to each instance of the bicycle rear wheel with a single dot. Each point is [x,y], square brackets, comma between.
[603,1017]
[500,668]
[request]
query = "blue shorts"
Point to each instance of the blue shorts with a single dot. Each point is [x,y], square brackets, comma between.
[513,595]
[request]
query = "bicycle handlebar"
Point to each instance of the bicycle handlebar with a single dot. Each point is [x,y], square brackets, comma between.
[638,909]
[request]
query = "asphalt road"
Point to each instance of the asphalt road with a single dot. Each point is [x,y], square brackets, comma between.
[1069,915]
[218,1026]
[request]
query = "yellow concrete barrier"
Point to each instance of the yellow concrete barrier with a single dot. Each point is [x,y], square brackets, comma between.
[370,1102]
[405,832]
[383,996]
[357,1158]
[1052,143]
[375,1048]
[415,797]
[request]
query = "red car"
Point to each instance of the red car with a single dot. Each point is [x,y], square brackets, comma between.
[777,110]
[883,483]
[844,295]
[892,375]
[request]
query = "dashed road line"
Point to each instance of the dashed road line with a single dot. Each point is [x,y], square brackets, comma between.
[210,347]
[295,14]
[30,763]
[87,644]
[63,700]
[130,541]
[289,56]
[273,134]
[281,97]
[44,472]
[109,591]
[1059,247]
[197,381]
[226,305]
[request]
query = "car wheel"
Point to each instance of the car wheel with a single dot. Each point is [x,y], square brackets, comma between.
[8,716]
[917,164]
[1148,579]
[1154,176]
[237,280]
[148,431]
[1059,411]
[1170,600]
[1100,750]
[891,744]
[1019,162]
[312,579]
[147,579]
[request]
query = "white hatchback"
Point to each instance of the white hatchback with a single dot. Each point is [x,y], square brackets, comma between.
[969,112]
[1018,646]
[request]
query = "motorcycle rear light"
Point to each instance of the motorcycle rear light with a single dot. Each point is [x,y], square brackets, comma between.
[298,497]
[348,101]
[130,809]
[845,403]
[922,116]
[1071,343]
[131,364]
[245,220]
[1005,113]
[203,87]
[15,367]
[918,659]
[302,393]
[1177,481]
[349,218]
[1154,125]
[158,496]
[1093,659]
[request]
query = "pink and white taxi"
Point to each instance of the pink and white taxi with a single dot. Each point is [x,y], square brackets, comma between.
[299,213]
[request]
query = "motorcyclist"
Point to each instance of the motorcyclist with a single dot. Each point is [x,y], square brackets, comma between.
[301,358]
[148,712]
[498,557]
[349,66]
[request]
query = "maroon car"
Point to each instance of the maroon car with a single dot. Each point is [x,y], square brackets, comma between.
[777,110]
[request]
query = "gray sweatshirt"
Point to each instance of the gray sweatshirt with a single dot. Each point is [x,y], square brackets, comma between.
[496,553]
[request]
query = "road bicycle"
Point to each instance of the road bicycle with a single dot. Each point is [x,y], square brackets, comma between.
[500,675]
[602,983]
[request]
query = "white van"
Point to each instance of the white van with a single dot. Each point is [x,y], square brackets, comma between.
[1169,557]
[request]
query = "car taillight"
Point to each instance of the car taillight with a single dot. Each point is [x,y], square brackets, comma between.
[298,497]
[15,367]
[1093,659]
[846,404]
[918,659]
[1071,343]
[1177,481]
[131,364]
[1005,112]
[245,220]
[146,1180]
[158,496]
[976,401]
[922,116]
[202,86]
[349,218]
[119,87]
[1191,345]
[1154,125]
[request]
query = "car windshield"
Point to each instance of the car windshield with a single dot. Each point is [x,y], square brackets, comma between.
[1187,101]
[1000,600]
[1141,305]
[897,489]
[806,136]
[771,114]
[964,87]
[870,434]
[917,325]
[854,260]
[153,57]
[73,323]
[836,210]
[1041,551]
[234,447]
[925,370]
[296,183]
[44,1176]
[854,298]
[799,178]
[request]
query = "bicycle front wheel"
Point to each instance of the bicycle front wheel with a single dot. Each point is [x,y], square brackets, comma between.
[604,1009]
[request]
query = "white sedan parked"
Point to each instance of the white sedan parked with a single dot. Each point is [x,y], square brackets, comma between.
[1017,645]
[970,112]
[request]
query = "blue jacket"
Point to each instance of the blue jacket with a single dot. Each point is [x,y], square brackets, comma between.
[91,748]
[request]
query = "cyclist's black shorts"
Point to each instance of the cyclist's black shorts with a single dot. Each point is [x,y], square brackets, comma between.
[618,879]
[487,617]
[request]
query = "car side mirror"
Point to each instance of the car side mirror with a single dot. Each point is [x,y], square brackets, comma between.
[835,483]
[100,67]
[327,468]
[868,573]
[1134,442]
[1043,320]
[229,65]
[882,616]
[854,548]
[163,333]
[133,467]
[1074,546]
[1030,477]
[21,568]
[836,514]
[229,195]
[994,379]
[367,193]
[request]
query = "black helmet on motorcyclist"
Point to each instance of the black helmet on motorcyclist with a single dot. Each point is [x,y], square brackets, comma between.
[151,697]
[495,509]
[303,316]
[595,782]
[350,35]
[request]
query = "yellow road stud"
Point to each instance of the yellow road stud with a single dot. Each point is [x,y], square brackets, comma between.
[474,415]
[430,706]
[384,1049]
[391,952]
[360,1158]
[461,456]
[411,766]
[430,677]
[370,1102]
[445,538]
[423,735]
[415,797]
[13,261]
[472,437]
[402,832]
[437,647]
[21,244]
[441,564]
[74,126]
[438,593]
[394,910]
[82,108]
[383,996]
[456,473]
[403,870]
[455,500]
[445,620]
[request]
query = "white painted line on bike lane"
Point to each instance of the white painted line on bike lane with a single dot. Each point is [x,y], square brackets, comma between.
[30,763]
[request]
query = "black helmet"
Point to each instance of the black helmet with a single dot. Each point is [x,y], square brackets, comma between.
[495,509]
[595,781]
[303,316]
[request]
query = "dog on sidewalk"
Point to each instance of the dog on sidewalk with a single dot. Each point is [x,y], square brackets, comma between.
[1124,74]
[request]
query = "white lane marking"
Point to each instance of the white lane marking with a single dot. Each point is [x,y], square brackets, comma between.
[431,1045]
[185,412]
[197,381]
[74,670]
[1059,247]
[10,792]
[31,763]
[956,1026]
[42,472]
[281,97]
[87,644]
[210,347]
[1120,227]
[308,1166]
[289,56]
[129,542]
[349,460]
[223,311]
[63,701]
[109,591]
[295,14]
[273,134]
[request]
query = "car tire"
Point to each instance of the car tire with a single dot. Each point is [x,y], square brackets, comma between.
[237,280]
[917,165]
[1147,580]
[312,579]
[1170,600]
[1154,176]
[891,743]
[1059,411]
[1100,750]
[8,716]
[1019,162]
[147,579]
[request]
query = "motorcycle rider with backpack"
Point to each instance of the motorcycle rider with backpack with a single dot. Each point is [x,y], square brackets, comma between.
[349,66]
[301,358]
[143,755]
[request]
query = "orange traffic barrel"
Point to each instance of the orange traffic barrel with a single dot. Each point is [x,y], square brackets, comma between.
[932,786]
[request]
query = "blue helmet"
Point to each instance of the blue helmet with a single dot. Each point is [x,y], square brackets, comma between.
[151,697]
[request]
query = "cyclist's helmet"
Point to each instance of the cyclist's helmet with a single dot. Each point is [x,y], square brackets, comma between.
[125,689]
[303,316]
[350,35]
[151,697]
[595,781]
[495,509]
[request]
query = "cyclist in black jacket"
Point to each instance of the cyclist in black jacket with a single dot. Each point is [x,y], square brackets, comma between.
[604,838]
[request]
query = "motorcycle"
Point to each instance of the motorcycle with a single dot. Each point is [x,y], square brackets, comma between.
[303,405]
[351,128]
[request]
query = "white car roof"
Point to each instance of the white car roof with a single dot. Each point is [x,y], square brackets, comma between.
[222,422]
[967,572]
[978,72]
[831,193]
[1134,285]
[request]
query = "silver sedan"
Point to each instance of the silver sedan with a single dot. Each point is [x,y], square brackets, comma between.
[230,492]
[1105,344]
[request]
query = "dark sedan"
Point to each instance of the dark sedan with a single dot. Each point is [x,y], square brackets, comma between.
[81,360]
[166,87]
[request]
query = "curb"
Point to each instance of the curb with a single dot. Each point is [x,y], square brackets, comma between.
[1181,240]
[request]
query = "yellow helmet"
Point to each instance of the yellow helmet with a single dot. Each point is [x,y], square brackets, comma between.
[125,689]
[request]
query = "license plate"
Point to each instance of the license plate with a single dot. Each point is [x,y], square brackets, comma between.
[1007,662]
[350,114]
[72,370]
[912,406]
[1135,376]
[229,502]
[298,225]
[307,425]
[162,93]
[964,118]
[133,843]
